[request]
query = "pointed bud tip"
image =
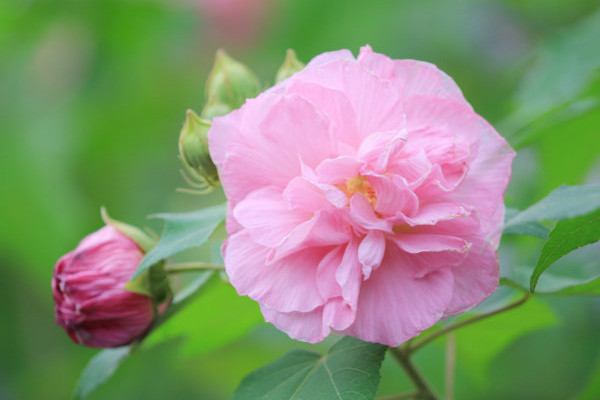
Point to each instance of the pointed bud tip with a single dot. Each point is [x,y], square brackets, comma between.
[290,66]
[193,150]
[230,82]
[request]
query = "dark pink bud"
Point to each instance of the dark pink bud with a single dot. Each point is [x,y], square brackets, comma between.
[88,285]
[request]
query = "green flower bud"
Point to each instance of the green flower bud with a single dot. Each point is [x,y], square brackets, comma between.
[213,108]
[193,150]
[290,66]
[230,82]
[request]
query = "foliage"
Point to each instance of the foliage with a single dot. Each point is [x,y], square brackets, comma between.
[92,101]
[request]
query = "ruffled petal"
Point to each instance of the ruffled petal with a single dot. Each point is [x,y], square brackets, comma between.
[286,285]
[267,218]
[394,306]
[305,326]
[370,252]
[475,278]
[411,77]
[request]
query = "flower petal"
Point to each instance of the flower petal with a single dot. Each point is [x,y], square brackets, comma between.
[370,252]
[475,278]
[412,77]
[394,306]
[364,217]
[286,285]
[305,326]
[267,217]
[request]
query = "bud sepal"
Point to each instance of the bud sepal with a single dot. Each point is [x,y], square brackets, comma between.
[193,150]
[290,66]
[230,83]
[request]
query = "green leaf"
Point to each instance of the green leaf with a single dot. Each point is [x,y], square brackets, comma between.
[565,237]
[182,231]
[207,323]
[554,88]
[590,287]
[101,367]
[562,203]
[349,371]
[528,228]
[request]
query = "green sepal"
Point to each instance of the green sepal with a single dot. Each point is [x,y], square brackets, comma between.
[193,150]
[143,240]
[290,66]
[153,283]
[214,108]
[230,82]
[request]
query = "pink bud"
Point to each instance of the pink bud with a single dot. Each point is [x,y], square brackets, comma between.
[88,285]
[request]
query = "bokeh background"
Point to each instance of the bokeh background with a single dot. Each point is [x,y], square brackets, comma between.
[93,94]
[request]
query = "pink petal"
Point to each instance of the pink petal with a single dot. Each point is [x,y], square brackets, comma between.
[364,217]
[411,77]
[339,169]
[393,196]
[326,281]
[307,130]
[332,103]
[326,228]
[267,218]
[370,252]
[327,57]
[394,306]
[445,129]
[432,213]
[305,326]
[377,105]
[476,278]
[222,130]
[348,274]
[337,315]
[429,252]
[286,285]
[419,243]
[413,168]
[302,195]
[378,148]
[486,181]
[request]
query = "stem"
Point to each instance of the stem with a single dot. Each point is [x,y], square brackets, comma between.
[449,328]
[450,364]
[400,396]
[191,267]
[423,390]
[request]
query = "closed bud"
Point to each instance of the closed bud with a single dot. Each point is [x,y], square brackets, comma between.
[230,82]
[92,301]
[290,66]
[214,108]
[193,150]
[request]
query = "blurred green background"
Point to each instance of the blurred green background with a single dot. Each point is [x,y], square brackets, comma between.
[92,97]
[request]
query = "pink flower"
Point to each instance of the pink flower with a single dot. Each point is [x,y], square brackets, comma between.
[365,198]
[91,303]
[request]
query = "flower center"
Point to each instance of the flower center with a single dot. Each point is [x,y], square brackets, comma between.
[359,184]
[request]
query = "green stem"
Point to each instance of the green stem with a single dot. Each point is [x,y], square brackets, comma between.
[449,328]
[191,267]
[450,365]
[423,390]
